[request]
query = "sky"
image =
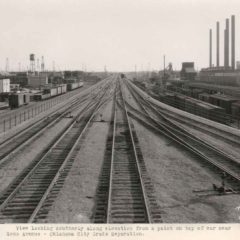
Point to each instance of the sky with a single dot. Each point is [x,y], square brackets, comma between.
[118,34]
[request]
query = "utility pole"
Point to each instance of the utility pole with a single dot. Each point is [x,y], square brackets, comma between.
[136,71]
[7,65]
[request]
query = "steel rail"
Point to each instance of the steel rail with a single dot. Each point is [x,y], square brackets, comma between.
[137,161]
[25,142]
[140,185]
[69,156]
[179,130]
[112,159]
[4,204]
[6,154]
[168,131]
[230,136]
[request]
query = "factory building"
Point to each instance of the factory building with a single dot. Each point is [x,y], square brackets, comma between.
[188,72]
[4,85]
[227,74]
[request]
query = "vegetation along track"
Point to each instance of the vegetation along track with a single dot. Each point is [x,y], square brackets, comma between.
[125,193]
[220,161]
[28,198]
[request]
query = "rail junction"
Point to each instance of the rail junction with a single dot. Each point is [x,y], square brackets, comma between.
[127,185]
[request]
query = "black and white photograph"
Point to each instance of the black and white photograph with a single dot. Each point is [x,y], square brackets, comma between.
[119,112]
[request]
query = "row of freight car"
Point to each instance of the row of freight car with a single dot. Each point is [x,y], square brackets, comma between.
[19,99]
[230,104]
[195,106]
[55,91]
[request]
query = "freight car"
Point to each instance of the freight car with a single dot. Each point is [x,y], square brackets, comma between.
[196,107]
[72,86]
[204,97]
[16,100]
[223,101]
[26,99]
[236,109]
[64,88]
[41,97]
[55,91]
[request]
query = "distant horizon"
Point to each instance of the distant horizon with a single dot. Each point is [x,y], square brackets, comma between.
[121,35]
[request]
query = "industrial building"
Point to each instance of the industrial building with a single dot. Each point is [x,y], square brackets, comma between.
[188,72]
[37,81]
[227,74]
[4,85]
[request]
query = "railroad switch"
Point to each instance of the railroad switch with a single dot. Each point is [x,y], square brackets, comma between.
[69,115]
[222,190]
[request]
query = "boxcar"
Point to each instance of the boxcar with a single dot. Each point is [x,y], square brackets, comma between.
[190,105]
[16,100]
[59,90]
[204,97]
[72,86]
[26,98]
[180,101]
[64,88]
[53,92]
[223,101]
[236,109]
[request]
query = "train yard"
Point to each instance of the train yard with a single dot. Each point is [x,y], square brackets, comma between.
[110,153]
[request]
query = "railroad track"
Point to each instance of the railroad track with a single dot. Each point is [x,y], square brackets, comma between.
[29,197]
[213,131]
[125,193]
[12,145]
[219,160]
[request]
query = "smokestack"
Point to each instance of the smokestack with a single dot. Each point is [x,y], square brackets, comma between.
[233,41]
[226,44]
[217,50]
[210,48]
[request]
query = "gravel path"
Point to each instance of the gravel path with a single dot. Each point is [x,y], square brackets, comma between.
[175,174]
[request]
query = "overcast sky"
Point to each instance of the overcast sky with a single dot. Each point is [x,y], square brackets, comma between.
[117,33]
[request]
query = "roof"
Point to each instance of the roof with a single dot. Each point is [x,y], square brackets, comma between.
[224,97]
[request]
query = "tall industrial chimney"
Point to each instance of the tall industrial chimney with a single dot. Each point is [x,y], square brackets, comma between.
[210,48]
[233,41]
[217,50]
[226,44]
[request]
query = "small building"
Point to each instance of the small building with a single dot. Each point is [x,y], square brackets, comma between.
[4,85]
[188,72]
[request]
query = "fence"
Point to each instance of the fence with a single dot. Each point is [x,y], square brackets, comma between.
[13,119]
